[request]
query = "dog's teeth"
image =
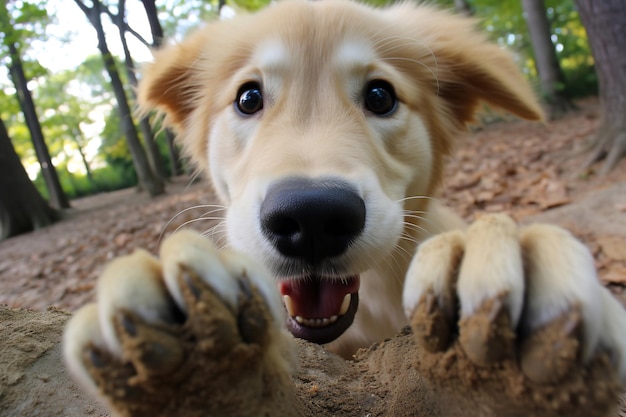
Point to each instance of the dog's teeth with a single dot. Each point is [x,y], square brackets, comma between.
[289,304]
[317,322]
[345,304]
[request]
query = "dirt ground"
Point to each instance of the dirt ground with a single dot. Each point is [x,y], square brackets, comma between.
[531,171]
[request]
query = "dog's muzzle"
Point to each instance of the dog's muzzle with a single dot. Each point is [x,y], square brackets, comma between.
[312,223]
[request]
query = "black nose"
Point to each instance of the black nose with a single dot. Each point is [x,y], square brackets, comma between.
[312,219]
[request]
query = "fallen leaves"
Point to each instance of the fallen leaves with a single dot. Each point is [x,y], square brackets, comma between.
[59,265]
[525,169]
[613,247]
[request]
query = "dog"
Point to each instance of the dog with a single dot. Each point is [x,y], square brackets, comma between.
[323,128]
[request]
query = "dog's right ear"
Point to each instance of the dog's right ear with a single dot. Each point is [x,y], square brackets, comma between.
[169,83]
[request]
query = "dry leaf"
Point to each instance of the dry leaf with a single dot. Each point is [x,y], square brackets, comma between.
[613,247]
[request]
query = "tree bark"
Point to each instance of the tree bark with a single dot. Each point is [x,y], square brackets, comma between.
[76,134]
[58,199]
[157,40]
[154,155]
[174,154]
[148,180]
[605,22]
[22,209]
[463,7]
[546,60]
[155,24]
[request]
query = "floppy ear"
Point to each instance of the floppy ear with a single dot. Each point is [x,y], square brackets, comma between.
[467,66]
[482,71]
[168,83]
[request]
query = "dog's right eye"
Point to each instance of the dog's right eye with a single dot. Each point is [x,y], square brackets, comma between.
[249,98]
[380,98]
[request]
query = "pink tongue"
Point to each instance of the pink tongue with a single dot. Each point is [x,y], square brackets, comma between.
[316,297]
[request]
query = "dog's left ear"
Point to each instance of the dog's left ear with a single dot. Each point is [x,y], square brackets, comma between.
[485,72]
[169,84]
[468,67]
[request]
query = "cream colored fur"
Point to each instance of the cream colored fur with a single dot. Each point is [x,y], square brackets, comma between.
[313,61]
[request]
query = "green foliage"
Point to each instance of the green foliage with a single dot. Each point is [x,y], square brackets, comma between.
[75,185]
[505,22]
[181,16]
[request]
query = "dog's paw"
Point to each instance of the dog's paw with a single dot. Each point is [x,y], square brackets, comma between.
[196,333]
[515,319]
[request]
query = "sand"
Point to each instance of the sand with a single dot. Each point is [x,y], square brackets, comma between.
[217,364]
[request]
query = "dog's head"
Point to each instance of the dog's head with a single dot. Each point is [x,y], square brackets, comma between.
[320,125]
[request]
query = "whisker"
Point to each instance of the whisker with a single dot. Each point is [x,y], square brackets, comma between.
[419,197]
[408,239]
[220,230]
[416,228]
[192,178]
[188,222]
[424,220]
[215,206]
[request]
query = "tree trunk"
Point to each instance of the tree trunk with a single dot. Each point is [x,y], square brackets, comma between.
[463,7]
[546,61]
[58,199]
[78,133]
[155,24]
[147,178]
[605,21]
[157,39]
[22,208]
[154,155]
[175,163]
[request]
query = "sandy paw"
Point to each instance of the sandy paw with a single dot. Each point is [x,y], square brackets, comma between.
[165,339]
[512,321]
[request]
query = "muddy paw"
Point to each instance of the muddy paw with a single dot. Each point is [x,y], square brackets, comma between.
[195,334]
[513,322]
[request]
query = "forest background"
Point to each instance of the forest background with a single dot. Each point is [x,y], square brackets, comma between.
[68,70]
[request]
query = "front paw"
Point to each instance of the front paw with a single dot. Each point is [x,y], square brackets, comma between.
[515,321]
[183,335]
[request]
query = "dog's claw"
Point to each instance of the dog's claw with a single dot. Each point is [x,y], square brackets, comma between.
[95,357]
[487,336]
[552,351]
[244,286]
[127,325]
[431,325]
[187,279]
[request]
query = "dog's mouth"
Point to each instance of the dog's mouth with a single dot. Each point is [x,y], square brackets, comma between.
[320,308]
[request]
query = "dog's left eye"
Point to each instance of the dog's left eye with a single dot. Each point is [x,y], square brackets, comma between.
[380,98]
[249,98]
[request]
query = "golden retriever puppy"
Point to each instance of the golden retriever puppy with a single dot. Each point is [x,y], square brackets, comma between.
[322,127]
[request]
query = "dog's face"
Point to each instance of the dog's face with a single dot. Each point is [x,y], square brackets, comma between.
[322,126]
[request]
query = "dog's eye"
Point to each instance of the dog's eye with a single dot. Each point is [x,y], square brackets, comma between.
[249,98]
[380,98]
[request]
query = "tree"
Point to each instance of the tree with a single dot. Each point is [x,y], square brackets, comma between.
[61,122]
[147,178]
[154,154]
[546,60]
[463,7]
[157,39]
[58,198]
[22,208]
[605,21]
